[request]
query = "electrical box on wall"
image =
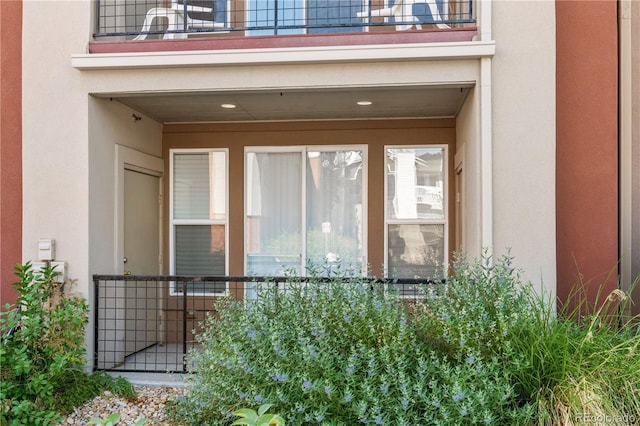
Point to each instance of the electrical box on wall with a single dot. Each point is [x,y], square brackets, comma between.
[60,269]
[46,249]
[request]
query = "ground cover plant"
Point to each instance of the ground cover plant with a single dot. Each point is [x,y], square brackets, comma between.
[483,349]
[42,352]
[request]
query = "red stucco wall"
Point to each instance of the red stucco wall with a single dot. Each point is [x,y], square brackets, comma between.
[10,145]
[587,144]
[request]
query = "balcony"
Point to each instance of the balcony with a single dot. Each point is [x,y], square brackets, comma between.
[254,23]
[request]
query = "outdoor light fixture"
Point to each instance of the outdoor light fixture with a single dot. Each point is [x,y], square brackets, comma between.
[228,106]
[364,103]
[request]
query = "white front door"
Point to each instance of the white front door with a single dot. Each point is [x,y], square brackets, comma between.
[141,228]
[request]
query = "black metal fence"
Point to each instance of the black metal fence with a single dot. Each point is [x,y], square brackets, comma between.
[147,323]
[170,19]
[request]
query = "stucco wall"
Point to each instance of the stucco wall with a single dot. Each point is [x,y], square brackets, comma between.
[523,99]
[55,150]
[68,145]
[10,146]
[467,153]
[587,146]
[112,123]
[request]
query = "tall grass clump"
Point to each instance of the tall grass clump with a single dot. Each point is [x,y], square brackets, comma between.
[340,353]
[581,368]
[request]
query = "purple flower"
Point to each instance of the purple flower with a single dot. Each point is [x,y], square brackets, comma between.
[319,418]
[378,419]
[471,359]
[346,318]
[259,398]
[384,387]
[327,390]
[435,403]
[348,397]
[279,377]
[306,385]
[312,352]
[351,368]
[251,334]
[405,403]
[458,396]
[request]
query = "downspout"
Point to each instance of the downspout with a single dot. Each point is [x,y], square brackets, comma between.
[625,121]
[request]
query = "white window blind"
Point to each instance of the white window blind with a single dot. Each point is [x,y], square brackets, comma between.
[199,215]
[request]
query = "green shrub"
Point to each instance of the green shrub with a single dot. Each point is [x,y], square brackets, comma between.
[568,366]
[42,343]
[78,387]
[339,354]
[483,348]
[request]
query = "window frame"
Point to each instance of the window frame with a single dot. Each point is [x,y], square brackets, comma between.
[173,222]
[303,150]
[445,207]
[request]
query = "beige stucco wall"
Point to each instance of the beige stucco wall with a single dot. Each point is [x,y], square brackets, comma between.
[467,156]
[55,131]
[523,99]
[69,146]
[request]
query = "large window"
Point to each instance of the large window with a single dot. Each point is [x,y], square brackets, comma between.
[305,207]
[198,216]
[415,211]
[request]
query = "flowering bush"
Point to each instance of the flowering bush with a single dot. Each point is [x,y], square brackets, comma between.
[346,353]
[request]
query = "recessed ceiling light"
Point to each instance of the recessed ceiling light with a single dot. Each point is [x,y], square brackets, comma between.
[364,103]
[228,106]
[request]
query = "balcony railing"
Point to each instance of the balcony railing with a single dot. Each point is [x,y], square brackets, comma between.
[172,19]
[147,323]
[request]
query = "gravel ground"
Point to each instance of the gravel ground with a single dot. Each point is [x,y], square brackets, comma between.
[149,403]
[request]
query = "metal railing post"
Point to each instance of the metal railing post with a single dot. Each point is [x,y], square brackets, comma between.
[275,17]
[96,320]
[184,326]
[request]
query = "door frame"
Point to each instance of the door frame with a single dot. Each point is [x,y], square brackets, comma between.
[130,159]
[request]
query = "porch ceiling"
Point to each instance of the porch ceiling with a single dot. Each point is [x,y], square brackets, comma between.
[316,104]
